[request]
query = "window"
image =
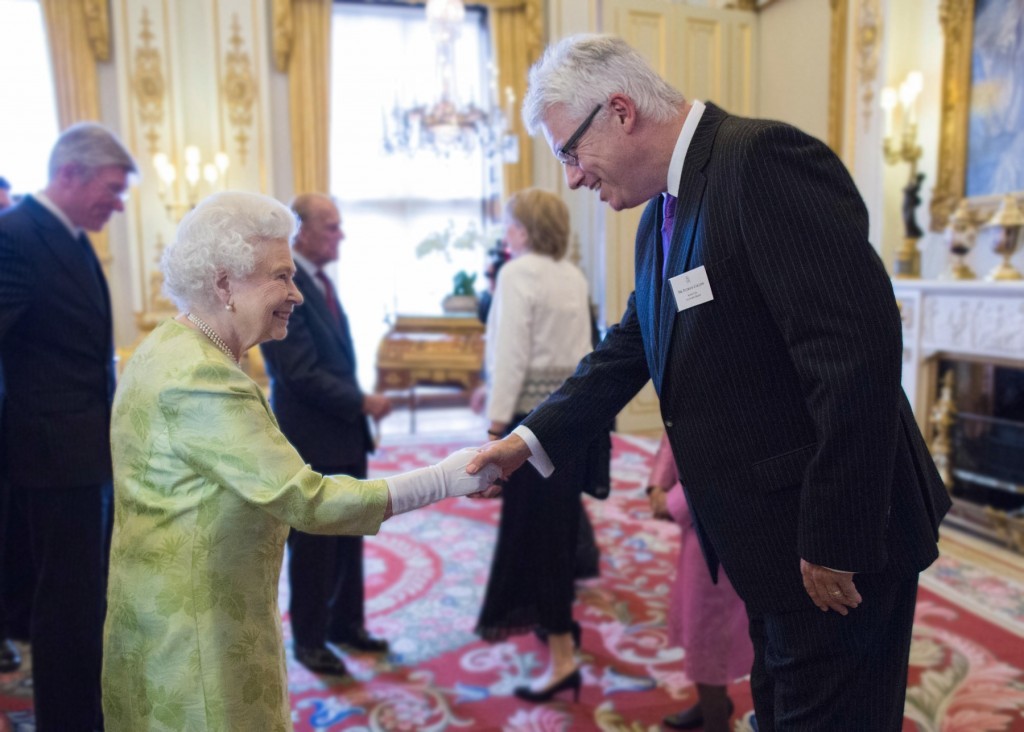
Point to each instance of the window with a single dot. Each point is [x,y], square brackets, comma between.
[28,125]
[382,56]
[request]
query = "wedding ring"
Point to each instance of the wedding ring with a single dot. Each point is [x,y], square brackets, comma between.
[836,593]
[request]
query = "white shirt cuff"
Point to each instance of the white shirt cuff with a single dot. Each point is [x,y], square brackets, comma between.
[538,457]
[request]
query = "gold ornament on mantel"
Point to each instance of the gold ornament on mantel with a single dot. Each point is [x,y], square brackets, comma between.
[960,233]
[1006,226]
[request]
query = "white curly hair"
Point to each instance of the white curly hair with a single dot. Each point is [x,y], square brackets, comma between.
[220,236]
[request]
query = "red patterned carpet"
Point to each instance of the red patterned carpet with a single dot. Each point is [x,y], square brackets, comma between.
[426,573]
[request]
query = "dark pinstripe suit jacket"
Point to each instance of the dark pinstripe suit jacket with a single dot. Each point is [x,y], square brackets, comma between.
[313,386]
[781,396]
[56,348]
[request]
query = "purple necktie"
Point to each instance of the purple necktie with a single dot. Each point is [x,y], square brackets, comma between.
[668,218]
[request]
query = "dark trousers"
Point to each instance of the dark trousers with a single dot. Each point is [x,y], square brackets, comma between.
[326,578]
[822,671]
[17,577]
[70,535]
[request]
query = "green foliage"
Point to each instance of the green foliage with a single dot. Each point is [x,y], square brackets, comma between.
[464,283]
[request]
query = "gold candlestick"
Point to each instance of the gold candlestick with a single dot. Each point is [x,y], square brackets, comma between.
[1007,224]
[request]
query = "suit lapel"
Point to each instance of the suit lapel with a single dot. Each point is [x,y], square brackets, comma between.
[80,264]
[692,185]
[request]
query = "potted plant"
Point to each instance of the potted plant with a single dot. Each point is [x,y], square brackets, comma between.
[463,295]
[462,298]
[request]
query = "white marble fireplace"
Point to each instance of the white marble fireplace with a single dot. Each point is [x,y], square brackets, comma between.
[980,326]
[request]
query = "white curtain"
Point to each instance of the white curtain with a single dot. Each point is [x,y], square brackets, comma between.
[382,55]
[28,126]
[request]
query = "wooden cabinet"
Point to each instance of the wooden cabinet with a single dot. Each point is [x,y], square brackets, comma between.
[431,350]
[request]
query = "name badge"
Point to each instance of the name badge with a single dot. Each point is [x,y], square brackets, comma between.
[691,288]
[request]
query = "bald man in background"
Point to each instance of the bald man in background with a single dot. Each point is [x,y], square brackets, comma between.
[323,412]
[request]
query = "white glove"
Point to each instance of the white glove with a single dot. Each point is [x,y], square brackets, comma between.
[447,479]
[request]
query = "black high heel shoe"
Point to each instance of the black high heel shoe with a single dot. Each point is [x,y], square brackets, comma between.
[573,681]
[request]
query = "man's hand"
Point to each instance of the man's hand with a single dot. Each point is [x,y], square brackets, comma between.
[508,454]
[828,589]
[377,406]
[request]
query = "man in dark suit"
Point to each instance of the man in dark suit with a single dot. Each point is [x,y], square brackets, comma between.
[321,409]
[57,355]
[10,658]
[768,325]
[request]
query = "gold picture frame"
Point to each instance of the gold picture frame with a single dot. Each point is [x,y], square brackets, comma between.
[956,18]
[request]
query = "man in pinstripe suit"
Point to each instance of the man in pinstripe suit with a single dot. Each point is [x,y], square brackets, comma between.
[57,356]
[768,325]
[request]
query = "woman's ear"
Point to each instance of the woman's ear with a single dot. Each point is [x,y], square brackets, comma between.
[222,286]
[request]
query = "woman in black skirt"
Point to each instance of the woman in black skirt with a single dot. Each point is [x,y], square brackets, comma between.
[538,329]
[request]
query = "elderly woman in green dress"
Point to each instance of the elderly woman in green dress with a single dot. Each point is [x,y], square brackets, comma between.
[206,488]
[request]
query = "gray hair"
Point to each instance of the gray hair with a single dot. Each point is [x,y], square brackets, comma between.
[220,236]
[90,146]
[584,70]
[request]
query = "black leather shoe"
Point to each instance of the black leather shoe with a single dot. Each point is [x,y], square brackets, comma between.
[10,659]
[360,640]
[320,660]
[572,681]
[691,718]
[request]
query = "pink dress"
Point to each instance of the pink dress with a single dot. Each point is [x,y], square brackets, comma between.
[707,620]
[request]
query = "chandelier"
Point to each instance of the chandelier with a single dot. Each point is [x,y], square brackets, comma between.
[446,127]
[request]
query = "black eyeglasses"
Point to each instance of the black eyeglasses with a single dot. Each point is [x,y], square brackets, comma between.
[567,153]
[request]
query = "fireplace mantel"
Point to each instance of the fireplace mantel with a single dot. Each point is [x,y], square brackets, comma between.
[982,321]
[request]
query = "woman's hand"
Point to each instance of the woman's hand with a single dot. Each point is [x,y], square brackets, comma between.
[659,502]
[478,399]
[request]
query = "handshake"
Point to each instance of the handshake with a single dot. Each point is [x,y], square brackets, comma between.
[446,479]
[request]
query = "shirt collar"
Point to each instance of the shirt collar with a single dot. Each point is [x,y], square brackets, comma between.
[675,166]
[62,217]
[307,266]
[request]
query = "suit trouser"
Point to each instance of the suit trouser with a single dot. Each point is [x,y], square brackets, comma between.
[70,534]
[326,579]
[823,671]
[17,577]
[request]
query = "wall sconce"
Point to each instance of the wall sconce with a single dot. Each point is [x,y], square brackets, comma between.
[1005,228]
[908,259]
[214,174]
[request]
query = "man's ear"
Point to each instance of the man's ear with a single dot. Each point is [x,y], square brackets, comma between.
[623,111]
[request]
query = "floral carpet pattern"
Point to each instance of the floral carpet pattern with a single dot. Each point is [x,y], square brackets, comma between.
[425,576]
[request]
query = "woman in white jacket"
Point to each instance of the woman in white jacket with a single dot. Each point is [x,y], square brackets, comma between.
[538,329]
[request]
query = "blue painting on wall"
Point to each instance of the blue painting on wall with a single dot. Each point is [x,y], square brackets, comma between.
[995,145]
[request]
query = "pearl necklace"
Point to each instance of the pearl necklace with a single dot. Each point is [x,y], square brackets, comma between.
[212,335]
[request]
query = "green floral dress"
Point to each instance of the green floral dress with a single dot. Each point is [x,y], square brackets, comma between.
[205,488]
